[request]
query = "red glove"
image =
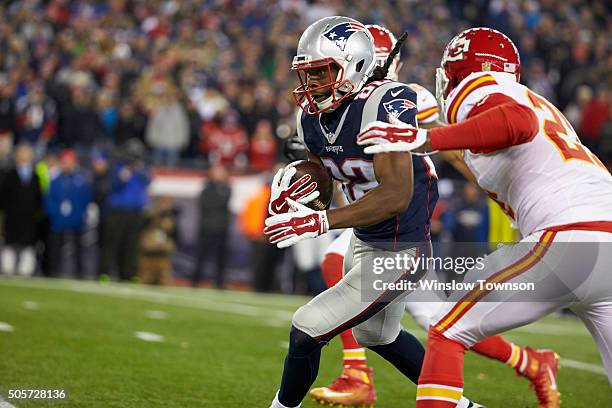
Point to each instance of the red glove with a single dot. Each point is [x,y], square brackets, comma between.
[302,190]
[289,228]
[395,136]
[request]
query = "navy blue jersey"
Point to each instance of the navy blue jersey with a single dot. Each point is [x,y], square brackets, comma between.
[333,138]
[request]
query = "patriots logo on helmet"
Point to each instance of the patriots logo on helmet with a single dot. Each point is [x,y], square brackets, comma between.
[340,33]
[398,106]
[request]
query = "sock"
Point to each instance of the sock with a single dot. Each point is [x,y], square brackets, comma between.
[441,380]
[406,353]
[352,352]
[496,348]
[331,268]
[519,360]
[301,368]
[353,355]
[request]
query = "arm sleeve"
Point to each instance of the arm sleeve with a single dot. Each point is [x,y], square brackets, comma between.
[497,122]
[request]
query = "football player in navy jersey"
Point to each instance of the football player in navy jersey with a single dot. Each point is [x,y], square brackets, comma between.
[354,387]
[391,199]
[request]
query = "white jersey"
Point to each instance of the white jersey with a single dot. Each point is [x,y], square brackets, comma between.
[551,180]
[427,106]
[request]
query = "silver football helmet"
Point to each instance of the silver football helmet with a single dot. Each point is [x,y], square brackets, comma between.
[332,41]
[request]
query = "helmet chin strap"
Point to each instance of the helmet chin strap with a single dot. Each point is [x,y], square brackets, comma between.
[329,101]
[326,103]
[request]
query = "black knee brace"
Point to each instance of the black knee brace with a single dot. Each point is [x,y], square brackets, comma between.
[301,344]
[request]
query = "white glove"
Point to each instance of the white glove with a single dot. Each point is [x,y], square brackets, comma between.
[396,136]
[289,228]
[302,190]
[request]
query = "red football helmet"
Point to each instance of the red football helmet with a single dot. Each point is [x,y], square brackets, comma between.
[475,50]
[384,41]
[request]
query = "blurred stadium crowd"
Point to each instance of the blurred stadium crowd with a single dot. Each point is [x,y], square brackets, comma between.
[101,89]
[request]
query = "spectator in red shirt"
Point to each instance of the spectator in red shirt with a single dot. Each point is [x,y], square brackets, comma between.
[594,116]
[264,147]
[225,142]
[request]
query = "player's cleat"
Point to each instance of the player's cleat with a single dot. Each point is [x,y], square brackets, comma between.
[541,370]
[354,388]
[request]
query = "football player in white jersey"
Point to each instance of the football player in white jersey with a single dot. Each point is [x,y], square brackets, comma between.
[526,155]
[355,386]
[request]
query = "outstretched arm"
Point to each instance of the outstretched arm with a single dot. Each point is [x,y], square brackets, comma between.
[495,123]
[454,157]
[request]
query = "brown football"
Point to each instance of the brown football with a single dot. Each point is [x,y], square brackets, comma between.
[321,176]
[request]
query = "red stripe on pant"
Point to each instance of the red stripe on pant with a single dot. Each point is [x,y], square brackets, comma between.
[517,268]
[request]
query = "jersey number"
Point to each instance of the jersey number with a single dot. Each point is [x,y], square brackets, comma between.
[562,134]
[356,175]
[369,88]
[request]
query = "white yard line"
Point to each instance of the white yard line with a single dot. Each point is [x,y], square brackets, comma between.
[555,329]
[155,296]
[240,297]
[149,337]
[579,365]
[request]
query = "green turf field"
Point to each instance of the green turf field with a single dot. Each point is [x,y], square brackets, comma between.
[220,349]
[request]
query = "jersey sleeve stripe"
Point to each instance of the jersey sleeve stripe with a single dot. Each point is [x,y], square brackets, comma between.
[427,113]
[467,89]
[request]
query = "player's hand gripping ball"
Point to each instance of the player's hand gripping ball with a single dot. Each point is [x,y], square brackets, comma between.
[305,182]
